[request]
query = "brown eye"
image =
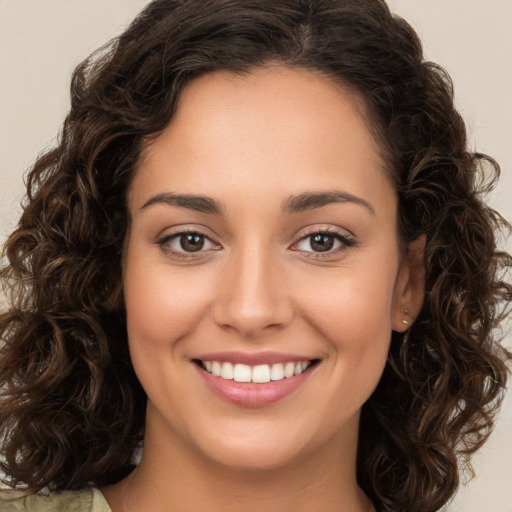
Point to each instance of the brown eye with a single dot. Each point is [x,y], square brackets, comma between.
[191,242]
[322,242]
[187,242]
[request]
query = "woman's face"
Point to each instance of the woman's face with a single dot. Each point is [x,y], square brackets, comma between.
[263,235]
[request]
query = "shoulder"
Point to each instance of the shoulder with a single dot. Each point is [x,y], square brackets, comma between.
[86,500]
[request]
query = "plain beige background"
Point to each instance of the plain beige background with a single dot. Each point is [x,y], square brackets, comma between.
[42,40]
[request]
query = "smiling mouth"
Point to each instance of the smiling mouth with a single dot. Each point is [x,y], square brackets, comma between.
[259,374]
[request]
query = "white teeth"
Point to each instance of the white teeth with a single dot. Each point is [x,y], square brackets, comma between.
[216,368]
[289,369]
[260,373]
[226,371]
[242,373]
[277,372]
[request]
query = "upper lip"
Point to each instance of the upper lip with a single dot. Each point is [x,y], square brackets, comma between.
[252,359]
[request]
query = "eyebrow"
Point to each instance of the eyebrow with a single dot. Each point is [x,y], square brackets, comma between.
[294,204]
[312,200]
[200,204]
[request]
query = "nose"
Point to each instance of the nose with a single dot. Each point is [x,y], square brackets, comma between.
[252,298]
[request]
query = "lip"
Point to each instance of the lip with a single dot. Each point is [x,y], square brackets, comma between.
[250,394]
[253,359]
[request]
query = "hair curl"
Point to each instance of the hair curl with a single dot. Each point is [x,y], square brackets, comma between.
[72,410]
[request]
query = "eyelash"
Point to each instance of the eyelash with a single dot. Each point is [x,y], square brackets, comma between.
[167,239]
[345,243]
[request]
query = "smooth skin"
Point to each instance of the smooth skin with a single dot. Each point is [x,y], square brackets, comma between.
[232,171]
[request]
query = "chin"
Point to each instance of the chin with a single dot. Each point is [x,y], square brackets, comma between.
[270,444]
[254,456]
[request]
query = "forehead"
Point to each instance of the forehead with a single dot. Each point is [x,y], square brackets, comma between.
[289,127]
[272,94]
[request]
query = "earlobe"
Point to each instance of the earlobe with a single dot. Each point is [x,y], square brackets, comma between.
[410,286]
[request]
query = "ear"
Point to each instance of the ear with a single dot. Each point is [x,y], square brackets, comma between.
[410,286]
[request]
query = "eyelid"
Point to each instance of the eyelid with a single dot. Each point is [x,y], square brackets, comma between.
[346,238]
[178,229]
[168,236]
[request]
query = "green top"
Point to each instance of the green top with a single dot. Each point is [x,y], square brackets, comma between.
[86,500]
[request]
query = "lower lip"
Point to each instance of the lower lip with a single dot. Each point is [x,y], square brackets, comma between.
[249,394]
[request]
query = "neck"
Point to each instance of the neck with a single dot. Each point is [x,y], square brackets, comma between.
[174,477]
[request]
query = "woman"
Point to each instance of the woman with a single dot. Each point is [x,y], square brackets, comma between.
[260,248]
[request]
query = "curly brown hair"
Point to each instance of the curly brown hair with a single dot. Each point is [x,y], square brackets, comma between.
[71,408]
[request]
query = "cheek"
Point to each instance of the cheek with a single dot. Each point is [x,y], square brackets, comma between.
[353,314]
[162,303]
[351,308]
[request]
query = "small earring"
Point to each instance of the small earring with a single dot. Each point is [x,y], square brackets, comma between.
[406,311]
[405,322]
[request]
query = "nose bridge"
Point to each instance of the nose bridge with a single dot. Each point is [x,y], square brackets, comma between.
[252,297]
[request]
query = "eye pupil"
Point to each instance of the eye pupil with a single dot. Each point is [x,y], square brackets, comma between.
[322,242]
[192,242]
